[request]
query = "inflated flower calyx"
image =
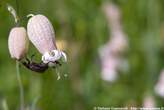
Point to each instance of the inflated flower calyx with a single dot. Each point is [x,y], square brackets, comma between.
[18,43]
[42,35]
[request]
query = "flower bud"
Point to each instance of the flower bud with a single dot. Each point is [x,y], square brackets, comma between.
[18,43]
[42,35]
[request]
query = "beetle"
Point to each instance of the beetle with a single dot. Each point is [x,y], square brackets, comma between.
[38,67]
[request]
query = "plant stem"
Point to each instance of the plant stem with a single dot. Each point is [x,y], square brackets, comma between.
[20,86]
[17,7]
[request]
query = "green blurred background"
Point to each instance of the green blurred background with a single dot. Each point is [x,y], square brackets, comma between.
[83,27]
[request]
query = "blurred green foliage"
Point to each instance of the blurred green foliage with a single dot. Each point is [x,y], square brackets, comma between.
[82,24]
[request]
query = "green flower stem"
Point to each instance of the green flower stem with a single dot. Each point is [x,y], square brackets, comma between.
[20,86]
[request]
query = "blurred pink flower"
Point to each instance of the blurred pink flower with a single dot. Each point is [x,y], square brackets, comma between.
[149,102]
[118,42]
[159,88]
[109,68]
[112,13]
[111,52]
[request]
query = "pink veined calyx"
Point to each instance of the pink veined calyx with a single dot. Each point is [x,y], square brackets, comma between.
[41,34]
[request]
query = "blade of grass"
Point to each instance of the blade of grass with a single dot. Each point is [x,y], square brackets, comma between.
[4,104]
[33,106]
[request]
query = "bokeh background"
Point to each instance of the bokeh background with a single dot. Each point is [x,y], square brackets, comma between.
[98,72]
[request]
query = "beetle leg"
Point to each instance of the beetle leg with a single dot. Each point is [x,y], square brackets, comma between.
[28,61]
[32,57]
[26,64]
[58,63]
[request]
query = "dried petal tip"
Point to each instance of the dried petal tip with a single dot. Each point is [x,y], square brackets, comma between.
[13,12]
[54,55]
[18,43]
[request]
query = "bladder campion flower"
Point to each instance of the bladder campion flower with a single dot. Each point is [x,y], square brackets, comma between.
[42,35]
